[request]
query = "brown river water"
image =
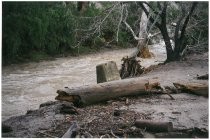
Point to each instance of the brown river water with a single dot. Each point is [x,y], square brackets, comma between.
[26,86]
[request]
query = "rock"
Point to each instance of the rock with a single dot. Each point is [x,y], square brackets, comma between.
[107,72]
[5,128]
[117,112]
[48,103]
[66,109]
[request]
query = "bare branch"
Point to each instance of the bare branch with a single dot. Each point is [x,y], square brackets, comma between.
[163,14]
[129,27]
[187,20]
[177,29]
[154,11]
[159,5]
[96,27]
[147,13]
[155,21]
[121,17]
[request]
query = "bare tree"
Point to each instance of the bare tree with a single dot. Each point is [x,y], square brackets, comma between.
[181,25]
[157,15]
[142,48]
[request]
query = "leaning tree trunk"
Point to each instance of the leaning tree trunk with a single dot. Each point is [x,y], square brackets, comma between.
[142,46]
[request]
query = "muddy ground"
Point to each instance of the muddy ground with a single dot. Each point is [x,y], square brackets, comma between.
[116,118]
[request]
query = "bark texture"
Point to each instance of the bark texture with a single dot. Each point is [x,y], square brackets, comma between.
[96,93]
[194,88]
[142,46]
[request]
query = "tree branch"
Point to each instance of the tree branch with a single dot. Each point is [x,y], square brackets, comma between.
[159,6]
[177,29]
[129,27]
[187,20]
[163,14]
[147,13]
[157,13]
[96,26]
[121,17]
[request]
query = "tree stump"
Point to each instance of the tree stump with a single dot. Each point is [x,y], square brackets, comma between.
[107,72]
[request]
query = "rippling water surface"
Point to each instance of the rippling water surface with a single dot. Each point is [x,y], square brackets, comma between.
[25,86]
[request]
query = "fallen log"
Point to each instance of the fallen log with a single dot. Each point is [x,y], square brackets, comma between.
[86,95]
[172,135]
[154,126]
[194,88]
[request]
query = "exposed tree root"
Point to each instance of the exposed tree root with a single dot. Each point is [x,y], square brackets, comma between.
[130,68]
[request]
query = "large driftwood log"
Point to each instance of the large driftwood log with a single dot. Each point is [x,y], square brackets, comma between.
[105,91]
[154,126]
[194,88]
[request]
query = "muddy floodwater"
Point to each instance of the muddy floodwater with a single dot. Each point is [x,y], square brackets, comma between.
[25,86]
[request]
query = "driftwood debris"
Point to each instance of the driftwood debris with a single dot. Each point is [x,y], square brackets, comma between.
[203,77]
[194,88]
[154,126]
[72,131]
[130,68]
[107,72]
[172,135]
[91,94]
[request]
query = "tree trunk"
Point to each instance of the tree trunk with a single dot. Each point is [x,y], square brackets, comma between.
[181,42]
[166,38]
[164,32]
[142,46]
[105,91]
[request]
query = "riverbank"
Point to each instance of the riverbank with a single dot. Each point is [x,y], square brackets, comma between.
[53,118]
[34,83]
[41,56]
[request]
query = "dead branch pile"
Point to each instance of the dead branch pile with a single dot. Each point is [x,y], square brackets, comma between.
[130,68]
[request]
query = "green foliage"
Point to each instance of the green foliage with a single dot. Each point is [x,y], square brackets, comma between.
[53,28]
[124,38]
[35,30]
[36,27]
